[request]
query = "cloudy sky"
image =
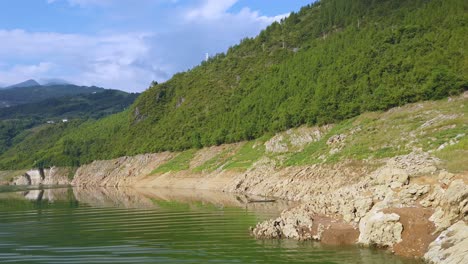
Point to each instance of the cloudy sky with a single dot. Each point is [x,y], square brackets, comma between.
[123,44]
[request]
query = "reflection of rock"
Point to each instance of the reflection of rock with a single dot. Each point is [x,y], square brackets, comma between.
[451,246]
[112,197]
[50,195]
[149,198]
[34,195]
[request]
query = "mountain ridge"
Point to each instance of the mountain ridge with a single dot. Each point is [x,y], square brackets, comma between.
[29,94]
[27,83]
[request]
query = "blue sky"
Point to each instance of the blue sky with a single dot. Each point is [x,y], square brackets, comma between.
[123,44]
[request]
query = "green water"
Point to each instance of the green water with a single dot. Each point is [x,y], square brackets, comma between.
[151,226]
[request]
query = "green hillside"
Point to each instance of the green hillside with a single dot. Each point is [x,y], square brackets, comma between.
[18,122]
[331,61]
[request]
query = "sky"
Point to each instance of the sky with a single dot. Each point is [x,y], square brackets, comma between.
[123,44]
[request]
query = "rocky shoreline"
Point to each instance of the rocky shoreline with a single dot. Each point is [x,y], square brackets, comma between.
[406,204]
[410,203]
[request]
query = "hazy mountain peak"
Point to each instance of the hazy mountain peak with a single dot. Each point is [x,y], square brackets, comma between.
[54,81]
[27,83]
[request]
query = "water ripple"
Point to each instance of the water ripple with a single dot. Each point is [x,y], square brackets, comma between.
[105,229]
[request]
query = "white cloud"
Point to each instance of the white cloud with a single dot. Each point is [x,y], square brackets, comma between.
[210,9]
[219,10]
[19,73]
[106,60]
[130,60]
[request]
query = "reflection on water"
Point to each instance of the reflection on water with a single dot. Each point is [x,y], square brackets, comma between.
[151,226]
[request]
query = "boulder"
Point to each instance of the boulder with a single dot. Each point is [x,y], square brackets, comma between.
[451,246]
[378,228]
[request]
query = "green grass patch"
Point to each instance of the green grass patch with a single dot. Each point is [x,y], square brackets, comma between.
[455,157]
[310,155]
[215,162]
[247,155]
[178,163]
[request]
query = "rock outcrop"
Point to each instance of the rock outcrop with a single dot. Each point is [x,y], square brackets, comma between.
[51,176]
[380,229]
[451,246]
[119,172]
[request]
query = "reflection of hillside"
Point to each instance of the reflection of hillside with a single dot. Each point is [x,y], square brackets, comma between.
[153,198]
[50,195]
[145,198]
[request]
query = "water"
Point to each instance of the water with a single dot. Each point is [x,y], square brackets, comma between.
[151,226]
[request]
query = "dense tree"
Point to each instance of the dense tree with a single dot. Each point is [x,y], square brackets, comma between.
[332,60]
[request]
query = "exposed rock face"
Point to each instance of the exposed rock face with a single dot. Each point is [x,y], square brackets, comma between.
[22,180]
[452,204]
[297,138]
[380,229]
[119,172]
[295,224]
[384,203]
[396,172]
[302,224]
[52,176]
[451,246]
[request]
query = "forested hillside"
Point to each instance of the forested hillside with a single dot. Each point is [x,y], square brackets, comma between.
[332,60]
[30,94]
[16,121]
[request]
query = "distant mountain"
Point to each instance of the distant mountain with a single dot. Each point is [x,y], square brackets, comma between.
[91,105]
[30,94]
[54,81]
[27,83]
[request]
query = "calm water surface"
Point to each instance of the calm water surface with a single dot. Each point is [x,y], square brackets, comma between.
[151,226]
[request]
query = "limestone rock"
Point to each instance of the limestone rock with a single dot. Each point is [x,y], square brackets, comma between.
[52,176]
[336,139]
[295,224]
[268,229]
[276,144]
[22,180]
[392,177]
[452,204]
[380,229]
[451,246]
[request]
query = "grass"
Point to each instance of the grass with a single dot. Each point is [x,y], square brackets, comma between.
[178,163]
[455,157]
[246,156]
[373,135]
[215,162]
[379,135]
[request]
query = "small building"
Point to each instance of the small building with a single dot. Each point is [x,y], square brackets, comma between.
[50,122]
[64,120]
